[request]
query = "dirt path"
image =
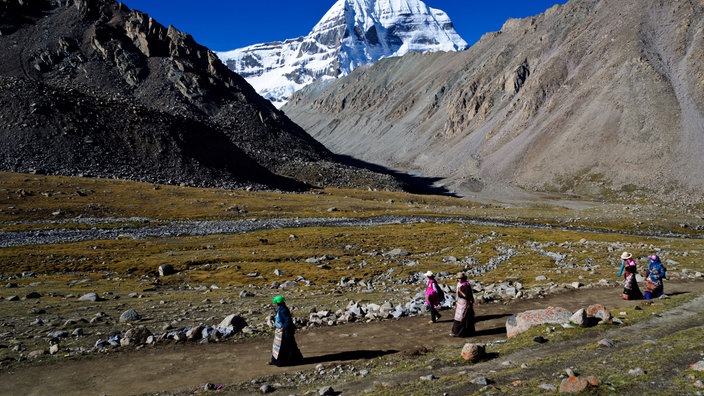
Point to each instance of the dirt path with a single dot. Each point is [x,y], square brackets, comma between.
[186,367]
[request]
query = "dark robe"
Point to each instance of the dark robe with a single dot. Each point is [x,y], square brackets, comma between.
[463,325]
[285,351]
[631,291]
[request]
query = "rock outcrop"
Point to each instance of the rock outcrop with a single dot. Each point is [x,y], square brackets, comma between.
[91,87]
[592,98]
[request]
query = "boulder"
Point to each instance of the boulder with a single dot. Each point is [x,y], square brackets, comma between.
[473,352]
[574,384]
[129,316]
[396,252]
[90,297]
[599,311]
[138,335]
[232,324]
[37,353]
[580,317]
[517,324]
[166,270]
[288,285]
[195,333]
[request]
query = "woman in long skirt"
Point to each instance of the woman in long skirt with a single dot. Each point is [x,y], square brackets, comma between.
[631,291]
[285,351]
[653,278]
[463,325]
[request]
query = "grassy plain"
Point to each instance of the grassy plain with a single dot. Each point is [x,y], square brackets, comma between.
[213,270]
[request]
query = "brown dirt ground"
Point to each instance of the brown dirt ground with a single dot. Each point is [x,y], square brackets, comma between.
[179,368]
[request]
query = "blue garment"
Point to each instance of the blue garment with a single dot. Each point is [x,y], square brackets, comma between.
[656,271]
[285,351]
[283,318]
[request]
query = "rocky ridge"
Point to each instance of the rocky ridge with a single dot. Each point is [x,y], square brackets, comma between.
[90,87]
[591,98]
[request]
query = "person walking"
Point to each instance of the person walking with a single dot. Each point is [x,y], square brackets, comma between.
[654,276]
[463,325]
[631,291]
[285,351]
[626,261]
[433,297]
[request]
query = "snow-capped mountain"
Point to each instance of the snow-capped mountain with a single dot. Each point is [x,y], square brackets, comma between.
[352,33]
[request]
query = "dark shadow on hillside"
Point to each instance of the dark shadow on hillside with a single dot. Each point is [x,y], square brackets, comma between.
[348,355]
[412,183]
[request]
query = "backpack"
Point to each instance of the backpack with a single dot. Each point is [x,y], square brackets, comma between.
[437,295]
[441,294]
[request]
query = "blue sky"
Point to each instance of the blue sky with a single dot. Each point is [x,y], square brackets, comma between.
[223,25]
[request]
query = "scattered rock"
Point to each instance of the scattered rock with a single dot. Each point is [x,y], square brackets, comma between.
[481,381]
[138,335]
[129,316]
[473,352]
[574,384]
[235,321]
[698,366]
[37,353]
[90,297]
[517,324]
[636,372]
[606,343]
[327,391]
[58,334]
[166,270]
[599,311]
[580,317]
[396,252]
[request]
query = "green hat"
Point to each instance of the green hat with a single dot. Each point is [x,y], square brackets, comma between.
[277,300]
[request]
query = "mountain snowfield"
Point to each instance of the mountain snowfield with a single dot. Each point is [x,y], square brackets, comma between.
[351,34]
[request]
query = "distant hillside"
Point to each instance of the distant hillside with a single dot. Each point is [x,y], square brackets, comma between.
[91,87]
[594,98]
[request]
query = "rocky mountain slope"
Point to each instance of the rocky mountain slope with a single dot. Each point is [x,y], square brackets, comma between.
[352,33]
[595,98]
[90,87]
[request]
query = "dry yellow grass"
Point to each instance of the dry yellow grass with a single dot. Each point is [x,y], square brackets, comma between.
[356,252]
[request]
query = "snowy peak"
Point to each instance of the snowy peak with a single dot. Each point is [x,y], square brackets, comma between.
[352,33]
